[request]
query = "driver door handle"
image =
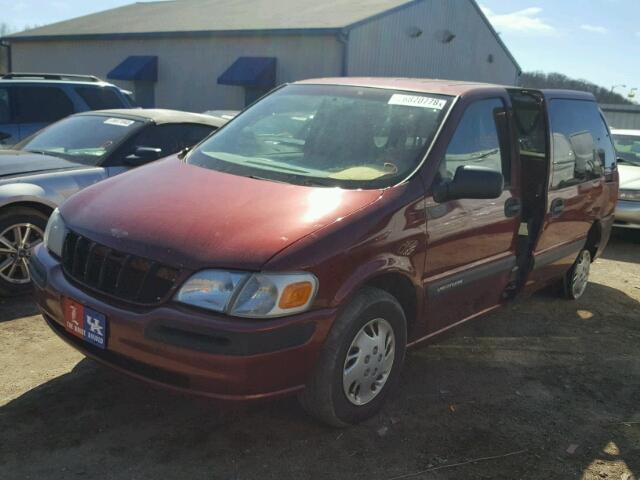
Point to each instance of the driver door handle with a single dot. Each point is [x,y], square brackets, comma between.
[557,207]
[512,207]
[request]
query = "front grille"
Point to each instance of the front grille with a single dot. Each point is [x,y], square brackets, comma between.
[116,274]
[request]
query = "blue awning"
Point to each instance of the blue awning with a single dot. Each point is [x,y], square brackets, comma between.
[251,72]
[137,67]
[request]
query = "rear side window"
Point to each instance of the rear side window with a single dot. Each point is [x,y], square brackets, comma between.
[5,106]
[100,98]
[170,137]
[41,104]
[582,146]
[477,140]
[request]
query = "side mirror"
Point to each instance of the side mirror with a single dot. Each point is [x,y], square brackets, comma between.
[470,182]
[143,155]
[183,153]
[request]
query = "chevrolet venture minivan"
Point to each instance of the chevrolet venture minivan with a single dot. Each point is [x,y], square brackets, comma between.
[333,224]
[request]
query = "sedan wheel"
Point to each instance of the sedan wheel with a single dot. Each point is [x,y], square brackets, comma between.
[15,249]
[21,229]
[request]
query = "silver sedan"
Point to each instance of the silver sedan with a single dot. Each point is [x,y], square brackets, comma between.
[628,147]
[74,153]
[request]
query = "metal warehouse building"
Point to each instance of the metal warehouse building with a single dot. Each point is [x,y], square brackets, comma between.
[221,54]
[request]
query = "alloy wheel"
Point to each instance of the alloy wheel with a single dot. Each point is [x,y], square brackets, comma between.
[15,249]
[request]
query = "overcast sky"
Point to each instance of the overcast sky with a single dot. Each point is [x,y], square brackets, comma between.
[592,39]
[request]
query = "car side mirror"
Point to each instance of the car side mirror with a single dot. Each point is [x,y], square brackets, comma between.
[143,155]
[470,182]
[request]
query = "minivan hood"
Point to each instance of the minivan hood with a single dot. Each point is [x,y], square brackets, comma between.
[192,217]
[629,177]
[17,162]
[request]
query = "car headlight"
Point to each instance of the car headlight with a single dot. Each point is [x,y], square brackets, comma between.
[629,195]
[55,233]
[251,295]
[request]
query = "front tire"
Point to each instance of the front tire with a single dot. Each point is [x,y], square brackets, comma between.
[576,279]
[20,230]
[360,362]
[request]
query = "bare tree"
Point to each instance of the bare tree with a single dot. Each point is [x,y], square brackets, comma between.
[558,80]
[5,29]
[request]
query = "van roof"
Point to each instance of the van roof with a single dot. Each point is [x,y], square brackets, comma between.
[444,87]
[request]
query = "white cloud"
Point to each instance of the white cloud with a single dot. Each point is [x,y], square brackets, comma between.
[527,21]
[593,28]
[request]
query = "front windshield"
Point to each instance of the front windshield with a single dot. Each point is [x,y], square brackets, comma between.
[628,148]
[338,136]
[85,139]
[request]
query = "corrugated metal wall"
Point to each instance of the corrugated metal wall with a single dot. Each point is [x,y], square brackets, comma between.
[622,116]
[386,46]
[188,68]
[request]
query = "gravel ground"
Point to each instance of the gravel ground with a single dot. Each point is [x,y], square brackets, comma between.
[543,389]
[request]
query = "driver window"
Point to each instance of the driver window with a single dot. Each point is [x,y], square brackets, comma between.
[477,141]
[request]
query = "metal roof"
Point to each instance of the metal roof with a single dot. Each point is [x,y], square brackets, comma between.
[160,116]
[168,18]
[218,16]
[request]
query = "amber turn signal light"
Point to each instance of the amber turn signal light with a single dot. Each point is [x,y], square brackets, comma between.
[295,295]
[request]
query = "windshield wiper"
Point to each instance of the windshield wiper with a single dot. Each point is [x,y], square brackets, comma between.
[487,154]
[257,177]
[315,182]
[41,152]
[307,182]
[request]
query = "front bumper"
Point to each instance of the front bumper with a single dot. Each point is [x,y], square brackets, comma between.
[627,214]
[189,350]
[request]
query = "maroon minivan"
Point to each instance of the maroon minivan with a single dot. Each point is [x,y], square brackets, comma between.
[336,222]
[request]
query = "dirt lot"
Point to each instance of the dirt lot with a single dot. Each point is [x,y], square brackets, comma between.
[544,389]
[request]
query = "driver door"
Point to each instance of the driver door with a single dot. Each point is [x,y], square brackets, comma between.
[471,250]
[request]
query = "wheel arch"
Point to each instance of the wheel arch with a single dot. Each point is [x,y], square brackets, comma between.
[43,207]
[594,237]
[29,195]
[403,289]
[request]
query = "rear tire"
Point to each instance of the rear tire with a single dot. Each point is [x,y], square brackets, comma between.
[21,228]
[576,279]
[360,362]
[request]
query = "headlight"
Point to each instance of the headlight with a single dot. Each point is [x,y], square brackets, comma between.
[55,233]
[211,289]
[258,295]
[629,195]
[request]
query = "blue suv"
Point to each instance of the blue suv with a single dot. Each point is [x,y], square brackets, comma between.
[31,101]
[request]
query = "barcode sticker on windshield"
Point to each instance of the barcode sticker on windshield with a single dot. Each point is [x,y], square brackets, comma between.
[119,122]
[417,101]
